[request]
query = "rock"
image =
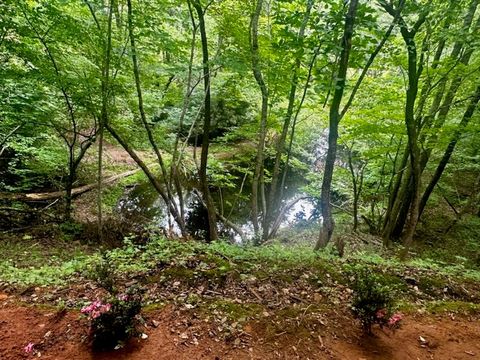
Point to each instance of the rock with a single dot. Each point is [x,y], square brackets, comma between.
[155,323]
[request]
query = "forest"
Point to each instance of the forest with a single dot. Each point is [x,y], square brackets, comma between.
[254,179]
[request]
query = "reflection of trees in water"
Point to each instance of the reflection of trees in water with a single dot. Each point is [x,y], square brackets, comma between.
[141,204]
[197,222]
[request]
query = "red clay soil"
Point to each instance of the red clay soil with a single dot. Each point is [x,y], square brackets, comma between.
[171,335]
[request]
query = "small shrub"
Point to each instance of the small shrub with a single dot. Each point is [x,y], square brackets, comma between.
[103,273]
[113,321]
[373,300]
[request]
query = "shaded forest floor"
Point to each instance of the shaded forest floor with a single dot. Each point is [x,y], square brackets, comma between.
[221,301]
[176,333]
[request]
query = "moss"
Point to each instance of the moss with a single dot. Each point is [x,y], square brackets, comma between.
[295,320]
[111,196]
[179,272]
[232,310]
[154,307]
[460,307]
[431,285]
[406,307]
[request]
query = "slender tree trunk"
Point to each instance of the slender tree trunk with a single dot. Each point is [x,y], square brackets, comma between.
[357,183]
[177,155]
[74,163]
[390,216]
[334,116]
[263,117]
[212,217]
[141,109]
[274,199]
[436,116]
[68,188]
[104,115]
[151,177]
[412,125]
[449,150]
[412,132]
[295,118]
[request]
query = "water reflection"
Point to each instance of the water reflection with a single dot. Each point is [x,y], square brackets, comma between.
[141,203]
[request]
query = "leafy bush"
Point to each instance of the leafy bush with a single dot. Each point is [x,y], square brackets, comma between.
[116,319]
[103,274]
[373,299]
[113,321]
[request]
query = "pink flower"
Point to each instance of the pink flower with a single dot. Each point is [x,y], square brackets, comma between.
[123,297]
[395,319]
[95,309]
[380,314]
[29,348]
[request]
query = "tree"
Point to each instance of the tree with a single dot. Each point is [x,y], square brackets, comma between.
[207,198]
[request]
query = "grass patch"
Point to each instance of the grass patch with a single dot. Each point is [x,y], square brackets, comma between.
[239,312]
[458,307]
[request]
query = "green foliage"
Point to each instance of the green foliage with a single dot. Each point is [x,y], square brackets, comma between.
[114,321]
[373,298]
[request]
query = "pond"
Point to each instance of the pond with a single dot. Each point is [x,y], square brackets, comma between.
[141,203]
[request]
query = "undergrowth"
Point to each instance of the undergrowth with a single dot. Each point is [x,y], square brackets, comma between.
[218,260]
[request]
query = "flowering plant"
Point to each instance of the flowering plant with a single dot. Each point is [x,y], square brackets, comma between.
[113,321]
[391,322]
[95,309]
[29,348]
[373,300]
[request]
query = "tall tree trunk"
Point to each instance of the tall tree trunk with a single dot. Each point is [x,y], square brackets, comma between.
[104,115]
[414,71]
[274,199]
[257,73]
[437,114]
[449,150]
[357,183]
[412,129]
[412,132]
[141,109]
[212,217]
[334,117]
[151,177]
[295,118]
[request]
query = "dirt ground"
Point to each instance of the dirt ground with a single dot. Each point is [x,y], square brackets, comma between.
[173,334]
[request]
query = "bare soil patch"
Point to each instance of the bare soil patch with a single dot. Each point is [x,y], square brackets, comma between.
[178,334]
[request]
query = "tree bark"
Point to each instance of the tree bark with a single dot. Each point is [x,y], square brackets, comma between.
[274,199]
[257,73]
[334,116]
[436,117]
[104,115]
[449,150]
[151,177]
[212,218]
[357,183]
[414,71]
[141,109]
[33,197]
